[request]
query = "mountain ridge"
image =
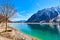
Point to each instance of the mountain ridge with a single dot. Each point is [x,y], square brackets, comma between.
[45,15]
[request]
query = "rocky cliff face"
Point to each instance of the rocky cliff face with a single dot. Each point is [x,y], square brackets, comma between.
[45,15]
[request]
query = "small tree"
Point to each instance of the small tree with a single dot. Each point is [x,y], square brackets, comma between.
[7,10]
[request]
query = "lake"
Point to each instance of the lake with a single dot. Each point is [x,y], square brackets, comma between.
[39,31]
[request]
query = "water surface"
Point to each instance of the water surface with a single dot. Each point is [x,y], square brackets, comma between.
[40,31]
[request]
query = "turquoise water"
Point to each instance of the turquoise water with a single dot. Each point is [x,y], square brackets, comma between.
[39,31]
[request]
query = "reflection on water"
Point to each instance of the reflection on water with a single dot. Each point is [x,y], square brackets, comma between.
[44,27]
[40,31]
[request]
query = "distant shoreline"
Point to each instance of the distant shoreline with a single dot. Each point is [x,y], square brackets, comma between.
[36,23]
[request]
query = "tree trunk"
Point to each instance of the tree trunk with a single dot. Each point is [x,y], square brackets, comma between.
[6,25]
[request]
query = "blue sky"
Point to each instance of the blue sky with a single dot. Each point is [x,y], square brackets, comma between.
[26,8]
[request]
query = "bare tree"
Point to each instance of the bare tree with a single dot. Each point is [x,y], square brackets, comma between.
[7,10]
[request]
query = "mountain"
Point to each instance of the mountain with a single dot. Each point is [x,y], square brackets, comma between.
[57,19]
[45,15]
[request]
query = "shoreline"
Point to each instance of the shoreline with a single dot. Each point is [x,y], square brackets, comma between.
[15,34]
[34,23]
[32,36]
[22,33]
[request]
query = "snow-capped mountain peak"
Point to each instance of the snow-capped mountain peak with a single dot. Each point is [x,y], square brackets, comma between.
[45,15]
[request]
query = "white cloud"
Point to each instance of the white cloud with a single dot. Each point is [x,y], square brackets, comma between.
[17,17]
